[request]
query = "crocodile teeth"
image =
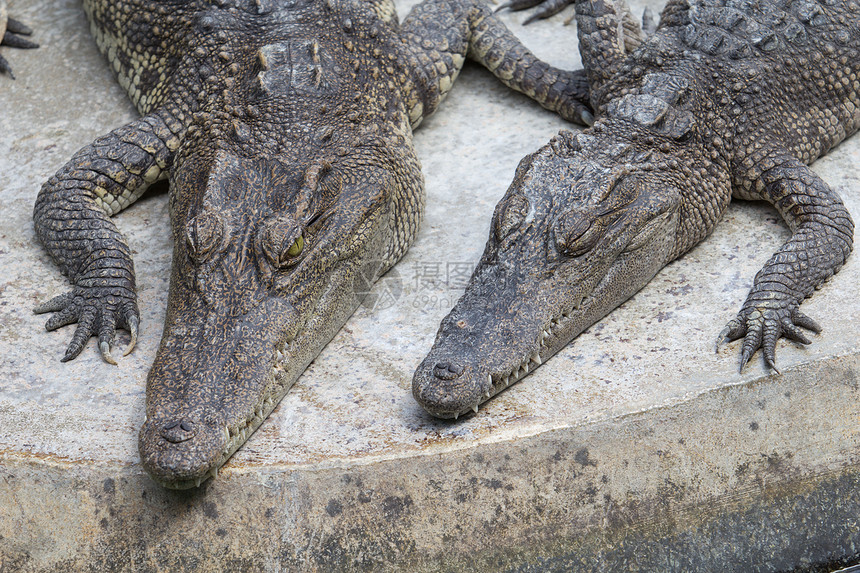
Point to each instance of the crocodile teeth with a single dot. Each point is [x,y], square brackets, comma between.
[487,393]
[536,359]
[456,415]
[475,408]
[525,368]
[490,379]
[197,482]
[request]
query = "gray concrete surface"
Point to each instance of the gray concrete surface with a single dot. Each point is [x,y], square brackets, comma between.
[635,449]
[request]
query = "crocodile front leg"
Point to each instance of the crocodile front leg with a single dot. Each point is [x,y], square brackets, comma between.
[72,219]
[822,238]
[10,35]
[440,34]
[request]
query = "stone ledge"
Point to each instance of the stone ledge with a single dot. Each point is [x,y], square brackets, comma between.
[760,476]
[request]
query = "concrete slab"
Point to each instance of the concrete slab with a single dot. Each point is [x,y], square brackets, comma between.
[636,448]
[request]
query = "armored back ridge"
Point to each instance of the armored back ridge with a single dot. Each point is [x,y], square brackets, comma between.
[284,128]
[726,99]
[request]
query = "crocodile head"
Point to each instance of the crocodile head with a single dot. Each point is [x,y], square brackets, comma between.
[586,223]
[268,249]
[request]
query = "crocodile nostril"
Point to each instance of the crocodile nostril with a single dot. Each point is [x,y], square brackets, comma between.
[447,370]
[178,431]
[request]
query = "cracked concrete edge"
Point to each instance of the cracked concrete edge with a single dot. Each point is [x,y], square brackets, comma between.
[771,484]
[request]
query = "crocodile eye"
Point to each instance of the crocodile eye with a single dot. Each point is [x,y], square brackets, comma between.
[296,248]
[510,215]
[282,252]
[205,235]
[281,241]
[576,234]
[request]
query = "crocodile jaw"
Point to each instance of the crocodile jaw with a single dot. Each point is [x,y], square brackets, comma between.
[189,463]
[214,380]
[490,363]
[224,388]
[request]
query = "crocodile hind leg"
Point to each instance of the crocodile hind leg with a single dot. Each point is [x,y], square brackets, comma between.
[822,236]
[10,35]
[72,219]
[440,34]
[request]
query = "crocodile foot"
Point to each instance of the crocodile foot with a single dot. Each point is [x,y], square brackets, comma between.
[545,8]
[762,325]
[11,32]
[98,311]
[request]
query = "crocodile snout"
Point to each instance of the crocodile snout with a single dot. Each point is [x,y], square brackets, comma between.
[180,450]
[447,387]
[447,370]
[178,431]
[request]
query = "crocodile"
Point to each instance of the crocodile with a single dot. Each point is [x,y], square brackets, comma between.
[11,32]
[726,99]
[284,129]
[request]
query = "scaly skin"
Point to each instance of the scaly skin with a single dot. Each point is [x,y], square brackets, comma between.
[721,102]
[10,35]
[285,130]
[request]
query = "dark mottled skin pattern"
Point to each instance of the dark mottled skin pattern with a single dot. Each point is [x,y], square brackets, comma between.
[285,130]
[728,98]
[11,31]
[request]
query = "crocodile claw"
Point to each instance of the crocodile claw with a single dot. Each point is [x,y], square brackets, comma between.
[104,348]
[97,312]
[649,23]
[13,41]
[17,27]
[546,8]
[133,324]
[761,327]
[516,5]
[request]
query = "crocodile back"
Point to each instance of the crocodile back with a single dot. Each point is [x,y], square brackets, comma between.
[188,53]
[784,72]
[144,42]
[744,81]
